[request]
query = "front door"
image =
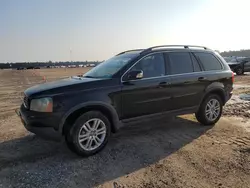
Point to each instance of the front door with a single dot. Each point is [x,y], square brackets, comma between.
[150,94]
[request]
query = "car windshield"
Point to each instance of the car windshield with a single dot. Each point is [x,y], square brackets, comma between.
[227,59]
[230,59]
[111,66]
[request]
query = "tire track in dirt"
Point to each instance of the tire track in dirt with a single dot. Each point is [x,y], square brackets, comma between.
[218,158]
[232,141]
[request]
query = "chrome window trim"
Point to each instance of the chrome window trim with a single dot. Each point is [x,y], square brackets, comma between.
[173,75]
[165,64]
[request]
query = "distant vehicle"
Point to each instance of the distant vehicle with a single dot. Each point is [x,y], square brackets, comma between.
[90,65]
[37,68]
[132,85]
[239,65]
[21,68]
[30,67]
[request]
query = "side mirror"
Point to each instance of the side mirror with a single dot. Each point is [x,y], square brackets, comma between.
[135,75]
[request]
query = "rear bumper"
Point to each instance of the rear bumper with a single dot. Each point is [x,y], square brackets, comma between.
[229,96]
[41,126]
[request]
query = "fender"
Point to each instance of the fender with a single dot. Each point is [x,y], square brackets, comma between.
[115,119]
[216,86]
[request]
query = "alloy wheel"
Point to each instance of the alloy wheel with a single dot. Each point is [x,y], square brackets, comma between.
[212,109]
[92,134]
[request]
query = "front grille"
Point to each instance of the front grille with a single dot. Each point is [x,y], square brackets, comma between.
[26,102]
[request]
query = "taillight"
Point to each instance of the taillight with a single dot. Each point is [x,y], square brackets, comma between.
[232,77]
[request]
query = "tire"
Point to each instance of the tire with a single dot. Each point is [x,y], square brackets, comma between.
[93,140]
[239,71]
[206,119]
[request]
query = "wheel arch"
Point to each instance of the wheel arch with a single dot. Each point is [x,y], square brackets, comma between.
[218,91]
[70,117]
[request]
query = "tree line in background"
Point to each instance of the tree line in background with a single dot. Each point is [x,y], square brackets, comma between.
[240,53]
[48,64]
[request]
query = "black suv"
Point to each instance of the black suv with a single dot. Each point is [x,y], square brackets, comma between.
[239,65]
[86,109]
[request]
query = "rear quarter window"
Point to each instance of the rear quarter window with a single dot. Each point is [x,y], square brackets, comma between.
[209,61]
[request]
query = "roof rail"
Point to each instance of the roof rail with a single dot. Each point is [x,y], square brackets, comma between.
[170,46]
[130,51]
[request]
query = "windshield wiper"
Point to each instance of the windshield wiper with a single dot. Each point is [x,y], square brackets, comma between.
[89,76]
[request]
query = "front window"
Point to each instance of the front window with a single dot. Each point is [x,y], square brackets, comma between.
[152,66]
[109,67]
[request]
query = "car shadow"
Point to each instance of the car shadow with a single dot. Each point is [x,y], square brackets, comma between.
[31,160]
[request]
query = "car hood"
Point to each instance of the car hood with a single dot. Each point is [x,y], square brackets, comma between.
[233,63]
[60,86]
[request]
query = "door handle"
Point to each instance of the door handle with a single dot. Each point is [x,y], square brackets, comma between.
[163,84]
[202,78]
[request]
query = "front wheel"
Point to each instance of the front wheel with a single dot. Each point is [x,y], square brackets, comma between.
[89,134]
[210,110]
[239,71]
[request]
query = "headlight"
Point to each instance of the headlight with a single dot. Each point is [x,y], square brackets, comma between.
[42,105]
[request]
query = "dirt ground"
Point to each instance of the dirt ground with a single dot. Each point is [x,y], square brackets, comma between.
[164,152]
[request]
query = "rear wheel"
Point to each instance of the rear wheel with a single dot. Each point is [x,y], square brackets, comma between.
[210,110]
[89,134]
[239,71]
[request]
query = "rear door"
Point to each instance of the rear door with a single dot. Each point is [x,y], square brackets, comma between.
[187,84]
[212,66]
[149,95]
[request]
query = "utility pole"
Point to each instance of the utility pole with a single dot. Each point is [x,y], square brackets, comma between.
[70,55]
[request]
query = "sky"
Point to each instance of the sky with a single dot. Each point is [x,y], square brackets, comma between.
[79,30]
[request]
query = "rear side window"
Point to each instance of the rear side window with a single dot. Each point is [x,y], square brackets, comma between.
[180,62]
[209,61]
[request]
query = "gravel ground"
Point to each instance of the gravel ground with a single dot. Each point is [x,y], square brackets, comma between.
[164,152]
[237,107]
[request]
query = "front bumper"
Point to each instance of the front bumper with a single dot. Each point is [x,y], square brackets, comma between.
[41,126]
